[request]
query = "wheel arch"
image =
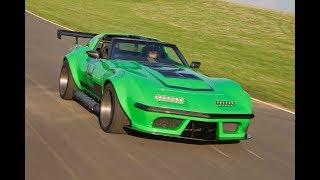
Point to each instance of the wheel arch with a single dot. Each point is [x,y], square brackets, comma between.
[121,98]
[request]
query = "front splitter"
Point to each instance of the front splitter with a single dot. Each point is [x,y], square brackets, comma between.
[247,136]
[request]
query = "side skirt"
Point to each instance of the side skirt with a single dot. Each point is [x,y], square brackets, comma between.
[88,102]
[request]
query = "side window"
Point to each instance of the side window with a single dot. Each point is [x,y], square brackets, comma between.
[104,51]
[102,47]
[99,45]
[172,56]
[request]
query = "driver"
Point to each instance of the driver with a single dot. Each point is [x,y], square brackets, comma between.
[152,54]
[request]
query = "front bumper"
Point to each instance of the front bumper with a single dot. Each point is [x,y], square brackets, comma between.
[193,125]
[193,114]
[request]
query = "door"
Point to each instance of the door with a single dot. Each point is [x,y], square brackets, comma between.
[95,71]
[89,66]
[93,75]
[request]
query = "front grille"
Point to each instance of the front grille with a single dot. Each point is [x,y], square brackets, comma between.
[165,122]
[200,130]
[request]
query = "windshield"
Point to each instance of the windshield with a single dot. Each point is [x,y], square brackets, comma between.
[153,52]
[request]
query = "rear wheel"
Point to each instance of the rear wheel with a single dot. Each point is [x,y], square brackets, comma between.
[66,83]
[112,117]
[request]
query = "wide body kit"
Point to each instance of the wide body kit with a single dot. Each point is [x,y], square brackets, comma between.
[164,99]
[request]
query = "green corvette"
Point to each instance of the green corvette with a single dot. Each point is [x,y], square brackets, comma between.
[146,85]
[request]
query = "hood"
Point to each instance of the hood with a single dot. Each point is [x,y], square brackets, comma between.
[173,76]
[145,80]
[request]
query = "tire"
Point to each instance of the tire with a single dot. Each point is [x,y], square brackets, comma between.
[66,83]
[112,118]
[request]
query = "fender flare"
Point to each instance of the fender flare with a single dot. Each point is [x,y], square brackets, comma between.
[74,74]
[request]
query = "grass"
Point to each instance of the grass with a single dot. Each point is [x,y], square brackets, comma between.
[252,46]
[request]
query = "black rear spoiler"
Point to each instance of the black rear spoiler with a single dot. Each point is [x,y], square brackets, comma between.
[62,32]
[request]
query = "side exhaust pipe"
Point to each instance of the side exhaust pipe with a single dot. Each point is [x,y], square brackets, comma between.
[88,102]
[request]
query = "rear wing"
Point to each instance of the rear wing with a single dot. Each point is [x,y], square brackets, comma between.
[62,32]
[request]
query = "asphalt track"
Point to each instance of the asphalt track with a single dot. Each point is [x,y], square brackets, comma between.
[64,140]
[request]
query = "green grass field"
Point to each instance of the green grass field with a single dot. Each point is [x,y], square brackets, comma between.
[254,47]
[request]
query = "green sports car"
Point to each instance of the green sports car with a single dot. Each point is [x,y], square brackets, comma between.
[146,85]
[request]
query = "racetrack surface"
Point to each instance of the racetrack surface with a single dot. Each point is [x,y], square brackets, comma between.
[64,140]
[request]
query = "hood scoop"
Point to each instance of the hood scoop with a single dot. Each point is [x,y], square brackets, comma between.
[174,72]
[176,77]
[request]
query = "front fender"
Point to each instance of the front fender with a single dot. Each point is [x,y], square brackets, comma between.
[234,90]
[127,89]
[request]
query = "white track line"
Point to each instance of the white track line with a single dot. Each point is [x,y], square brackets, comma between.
[48,20]
[219,151]
[254,154]
[73,30]
[273,106]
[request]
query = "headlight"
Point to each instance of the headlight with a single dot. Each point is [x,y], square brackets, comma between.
[178,100]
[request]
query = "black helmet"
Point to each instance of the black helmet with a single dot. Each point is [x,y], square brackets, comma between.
[153,47]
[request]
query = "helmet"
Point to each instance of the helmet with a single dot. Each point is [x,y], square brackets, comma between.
[149,48]
[153,47]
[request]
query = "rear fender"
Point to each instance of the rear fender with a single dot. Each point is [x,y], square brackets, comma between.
[76,59]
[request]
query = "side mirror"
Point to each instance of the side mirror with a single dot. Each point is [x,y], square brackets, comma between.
[93,54]
[195,64]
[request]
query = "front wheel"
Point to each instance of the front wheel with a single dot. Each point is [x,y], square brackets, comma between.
[112,117]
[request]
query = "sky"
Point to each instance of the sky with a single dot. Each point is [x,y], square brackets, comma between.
[280,5]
